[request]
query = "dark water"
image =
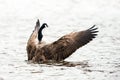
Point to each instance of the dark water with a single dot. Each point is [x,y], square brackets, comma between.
[98,60]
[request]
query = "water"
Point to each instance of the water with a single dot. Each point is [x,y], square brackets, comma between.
[102,55]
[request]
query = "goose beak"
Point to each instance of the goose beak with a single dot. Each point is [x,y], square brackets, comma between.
[45,24]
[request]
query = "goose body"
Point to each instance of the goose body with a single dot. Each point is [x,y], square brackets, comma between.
[60,49]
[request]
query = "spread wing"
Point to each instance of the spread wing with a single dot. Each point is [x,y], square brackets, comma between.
[66,45]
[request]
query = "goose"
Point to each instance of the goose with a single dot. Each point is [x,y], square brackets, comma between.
[59,50]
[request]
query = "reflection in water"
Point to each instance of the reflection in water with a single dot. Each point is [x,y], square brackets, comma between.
[63,63]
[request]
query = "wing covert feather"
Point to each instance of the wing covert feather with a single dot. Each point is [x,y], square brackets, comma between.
[68,44]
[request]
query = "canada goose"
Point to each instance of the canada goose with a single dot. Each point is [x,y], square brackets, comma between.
[60,49]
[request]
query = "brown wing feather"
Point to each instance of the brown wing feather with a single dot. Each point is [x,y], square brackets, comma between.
[31,44]
[66,45]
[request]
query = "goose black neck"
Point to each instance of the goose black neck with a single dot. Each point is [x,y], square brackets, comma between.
[40,36]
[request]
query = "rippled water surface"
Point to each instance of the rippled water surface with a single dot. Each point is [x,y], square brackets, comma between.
[98,60]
